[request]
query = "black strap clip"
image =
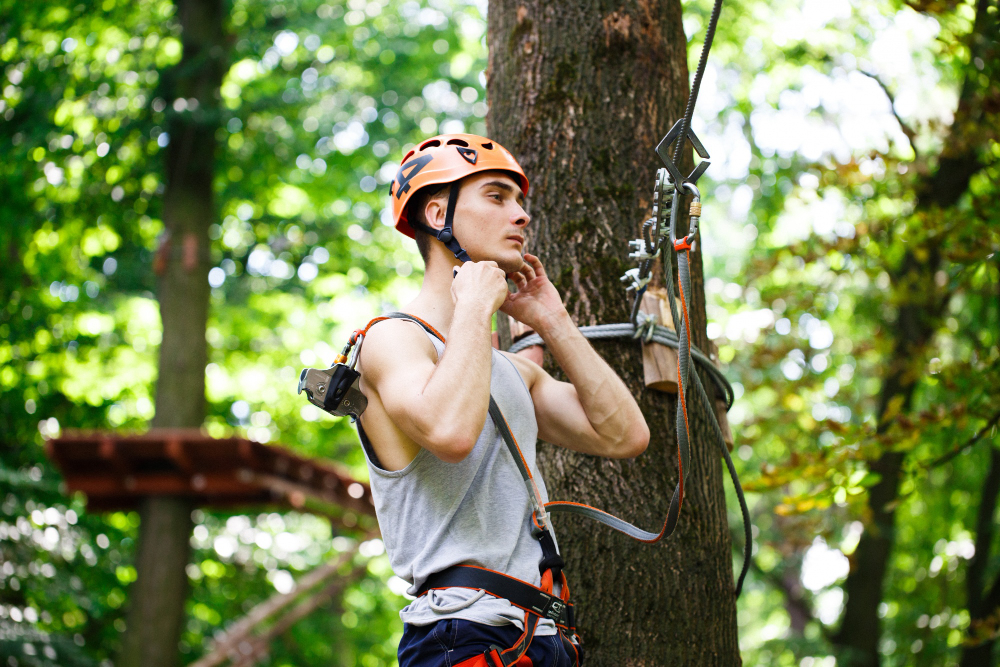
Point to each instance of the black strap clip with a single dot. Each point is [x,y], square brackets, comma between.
[493,656]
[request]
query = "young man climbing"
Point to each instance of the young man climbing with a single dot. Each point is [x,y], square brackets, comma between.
[451,423]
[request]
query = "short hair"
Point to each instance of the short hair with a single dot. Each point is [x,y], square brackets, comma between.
[415,211]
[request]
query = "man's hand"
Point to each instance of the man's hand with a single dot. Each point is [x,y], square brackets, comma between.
[481,285]
[536,303]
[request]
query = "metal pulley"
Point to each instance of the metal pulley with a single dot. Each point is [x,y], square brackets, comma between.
[336,390]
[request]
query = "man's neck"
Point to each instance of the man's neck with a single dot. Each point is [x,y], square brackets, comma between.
[434,302]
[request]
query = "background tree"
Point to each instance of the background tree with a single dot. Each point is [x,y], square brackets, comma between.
[582,95]
[920,295]
[877,371]
[86,124]
[156,600]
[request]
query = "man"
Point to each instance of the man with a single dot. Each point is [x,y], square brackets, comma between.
[447,490]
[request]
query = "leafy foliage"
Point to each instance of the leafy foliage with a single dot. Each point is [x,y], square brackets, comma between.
[835,142]
[320,102]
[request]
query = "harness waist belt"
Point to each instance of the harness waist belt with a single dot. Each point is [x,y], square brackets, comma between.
[520,594]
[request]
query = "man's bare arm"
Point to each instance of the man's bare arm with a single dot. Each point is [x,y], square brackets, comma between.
[593,413]
[440,406]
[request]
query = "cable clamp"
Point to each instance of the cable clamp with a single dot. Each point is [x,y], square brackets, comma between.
[645,327]
[640,251]
[637,283]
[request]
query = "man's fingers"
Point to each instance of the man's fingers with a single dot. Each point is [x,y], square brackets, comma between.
[528,272]
[534,263]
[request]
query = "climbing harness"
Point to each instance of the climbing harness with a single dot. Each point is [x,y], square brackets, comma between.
[332,389]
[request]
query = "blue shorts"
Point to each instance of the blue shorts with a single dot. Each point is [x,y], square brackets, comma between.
[447,643]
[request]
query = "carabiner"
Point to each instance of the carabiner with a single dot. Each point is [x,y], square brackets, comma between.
[687,242]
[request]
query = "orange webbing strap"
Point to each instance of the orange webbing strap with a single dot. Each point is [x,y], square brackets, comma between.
[514,654]
[681,379]
[362,332]
[683,440]
[483,661]
[398,316]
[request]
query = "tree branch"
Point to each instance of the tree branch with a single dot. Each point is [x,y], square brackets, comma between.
[907,130]
[260,644]
[944,458]
[240,631]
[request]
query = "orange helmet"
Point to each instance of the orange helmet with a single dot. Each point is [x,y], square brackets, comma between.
[444,159]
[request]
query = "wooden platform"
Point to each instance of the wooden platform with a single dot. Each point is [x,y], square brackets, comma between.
[117,470]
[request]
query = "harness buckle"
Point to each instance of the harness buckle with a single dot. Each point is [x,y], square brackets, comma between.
[493,657]
[337,390]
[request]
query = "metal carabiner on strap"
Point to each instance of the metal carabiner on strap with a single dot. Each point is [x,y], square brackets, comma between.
[686,243]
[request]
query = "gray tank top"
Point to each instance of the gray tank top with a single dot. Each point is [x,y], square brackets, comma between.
[435,514]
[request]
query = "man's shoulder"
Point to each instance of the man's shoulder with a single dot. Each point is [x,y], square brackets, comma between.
[528,369]
[396,340]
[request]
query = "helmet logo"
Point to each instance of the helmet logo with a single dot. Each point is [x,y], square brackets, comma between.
[469,154]
[408,171]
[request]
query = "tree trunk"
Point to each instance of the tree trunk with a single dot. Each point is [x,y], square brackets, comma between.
[156,612]
[581,93]
[921,304]
[983,603]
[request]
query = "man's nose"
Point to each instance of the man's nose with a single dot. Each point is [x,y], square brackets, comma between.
[521,218]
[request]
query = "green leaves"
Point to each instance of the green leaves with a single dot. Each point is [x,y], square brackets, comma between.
[318,105]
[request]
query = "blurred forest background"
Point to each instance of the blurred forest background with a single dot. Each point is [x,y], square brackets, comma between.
[850,237]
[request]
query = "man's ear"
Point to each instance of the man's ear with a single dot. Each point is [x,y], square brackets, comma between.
[435,212]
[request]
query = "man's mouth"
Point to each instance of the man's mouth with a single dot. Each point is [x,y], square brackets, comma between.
[517,237]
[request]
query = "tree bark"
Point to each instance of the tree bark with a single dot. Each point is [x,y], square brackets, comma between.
[982,603]
[921,304]
[581,92]
[156,611]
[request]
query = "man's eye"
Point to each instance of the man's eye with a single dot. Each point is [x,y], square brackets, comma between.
[495,196]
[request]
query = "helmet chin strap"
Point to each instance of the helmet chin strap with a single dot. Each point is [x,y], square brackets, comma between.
[445,235]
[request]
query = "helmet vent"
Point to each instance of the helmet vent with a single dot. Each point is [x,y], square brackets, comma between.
[458,142]
[427,144]
[488,145]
